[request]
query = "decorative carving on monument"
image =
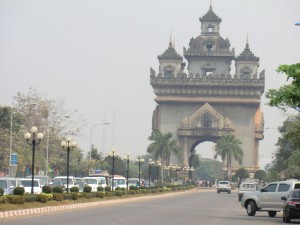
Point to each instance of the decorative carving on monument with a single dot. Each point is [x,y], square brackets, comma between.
[262,75]
[169,71]
[152,72]
[155,118]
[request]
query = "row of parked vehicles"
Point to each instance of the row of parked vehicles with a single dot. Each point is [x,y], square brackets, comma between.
[94,181]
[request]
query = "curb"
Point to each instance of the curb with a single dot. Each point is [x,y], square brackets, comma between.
[25,212]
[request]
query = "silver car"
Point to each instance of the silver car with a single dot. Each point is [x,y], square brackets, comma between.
[6,185]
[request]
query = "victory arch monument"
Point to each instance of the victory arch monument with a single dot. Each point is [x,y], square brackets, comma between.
[205,100]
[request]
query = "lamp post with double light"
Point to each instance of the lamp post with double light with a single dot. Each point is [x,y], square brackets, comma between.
[69,145]
[127,160]
[36,139]
[139,161]
[113,155]
[158,165]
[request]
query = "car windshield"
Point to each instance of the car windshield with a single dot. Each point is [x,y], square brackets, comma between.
[27,183]
[133,181]
[43,180]
[64,180]
[56,182]
[13,182]
[121,181]
[91,181]
[102,181]
[248,186]
[3,184]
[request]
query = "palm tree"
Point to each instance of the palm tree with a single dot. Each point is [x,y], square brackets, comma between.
[229,147]
[163,146]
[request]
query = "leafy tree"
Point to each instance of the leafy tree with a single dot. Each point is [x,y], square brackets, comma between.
[287,95]
[260,175]
[209,170]
[242,173]
[229,147]
[51,118]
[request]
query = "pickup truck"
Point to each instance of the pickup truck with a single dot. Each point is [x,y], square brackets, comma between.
[224,186]
[269,197]
[246,187]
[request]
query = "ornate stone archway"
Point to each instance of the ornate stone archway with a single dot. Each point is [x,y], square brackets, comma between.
[206,124]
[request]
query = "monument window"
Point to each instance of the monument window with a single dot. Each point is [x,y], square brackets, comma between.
[208,72]
[206,120]
[209,47]
[210,28]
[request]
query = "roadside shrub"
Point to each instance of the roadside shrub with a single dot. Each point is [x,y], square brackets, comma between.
[58,196]
[58,190]
[68,196]
[19,191]
[108,193]
[74,189]
[1,191]
[120,189]
[42,198]
[100,188]
[93,194]
[15,199]
[30,198]
[75,195]
[87,189]
[47,189]
[86,195]
[134,188]
[118,193]
[107,188]
[3,199]
[132,192]
[100,194]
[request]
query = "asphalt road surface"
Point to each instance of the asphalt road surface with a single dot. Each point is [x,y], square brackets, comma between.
[196,207]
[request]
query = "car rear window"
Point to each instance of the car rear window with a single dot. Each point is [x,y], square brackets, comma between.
[223,182]
[297,186]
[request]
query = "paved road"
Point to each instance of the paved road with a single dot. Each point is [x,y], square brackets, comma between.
[197,208]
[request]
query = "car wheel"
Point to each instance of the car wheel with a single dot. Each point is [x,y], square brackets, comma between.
[272,213]
[251,208]
[229,192]
[218,192]
[286,218]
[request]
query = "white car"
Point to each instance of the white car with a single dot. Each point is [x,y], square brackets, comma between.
[26,183]
[72,181]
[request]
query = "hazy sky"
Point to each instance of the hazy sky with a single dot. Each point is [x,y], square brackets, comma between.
[96,55]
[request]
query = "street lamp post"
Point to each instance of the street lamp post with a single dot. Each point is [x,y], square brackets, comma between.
[126,158]
[139,161]
[91,134]
[191,169]
[151,163]
[158,165]
[36,139]
[113,155]
[69,145]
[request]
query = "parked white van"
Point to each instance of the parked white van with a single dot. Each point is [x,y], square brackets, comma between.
[119,181]
[26,183]
[72,181]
